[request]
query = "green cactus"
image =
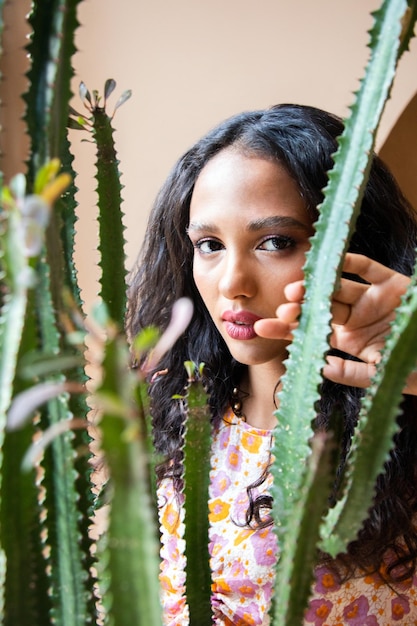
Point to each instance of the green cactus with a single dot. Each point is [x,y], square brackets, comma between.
[376,427]
[60,517]
[111,238]
[129,556]
[338,214]
[197,439]
[14,267]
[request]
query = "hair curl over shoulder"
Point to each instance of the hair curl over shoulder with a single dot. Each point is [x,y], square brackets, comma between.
[302,139]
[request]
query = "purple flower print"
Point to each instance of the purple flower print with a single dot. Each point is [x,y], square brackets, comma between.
[223,436]
[356,613]
[326,581]
[234,458]
[248,616]
[243,588]
[318,612]
[239,583]
[172,549]
[400,606]
[219,484]
[217,544]
[264,546]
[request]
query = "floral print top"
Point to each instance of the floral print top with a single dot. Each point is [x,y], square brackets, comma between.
[242,559]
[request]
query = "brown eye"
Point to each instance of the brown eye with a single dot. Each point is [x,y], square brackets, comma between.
[208,246]
[277,242]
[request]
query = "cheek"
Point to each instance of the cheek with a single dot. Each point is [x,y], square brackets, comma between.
[201,282]
[276,275]
[293,269]
[206,286]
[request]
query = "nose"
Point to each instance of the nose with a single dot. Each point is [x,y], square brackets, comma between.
[238,277]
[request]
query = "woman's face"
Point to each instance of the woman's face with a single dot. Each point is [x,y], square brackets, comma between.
[250,230]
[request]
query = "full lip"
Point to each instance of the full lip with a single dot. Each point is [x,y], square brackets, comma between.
[240,317]
[239,324]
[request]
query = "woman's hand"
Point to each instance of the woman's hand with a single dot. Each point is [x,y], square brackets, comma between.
[361,317]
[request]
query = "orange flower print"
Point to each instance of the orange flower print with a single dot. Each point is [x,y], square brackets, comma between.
[251,442]
[219,510]
[221,586]
[243,535]
[170,519]
[166,584]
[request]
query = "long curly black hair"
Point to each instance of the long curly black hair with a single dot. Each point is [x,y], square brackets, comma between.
[302,139]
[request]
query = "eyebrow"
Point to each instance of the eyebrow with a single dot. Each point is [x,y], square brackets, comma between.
[275,221]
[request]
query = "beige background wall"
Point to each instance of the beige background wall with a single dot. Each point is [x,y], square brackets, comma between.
[191,63]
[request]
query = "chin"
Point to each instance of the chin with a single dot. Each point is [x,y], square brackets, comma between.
[258,355]
[244,358]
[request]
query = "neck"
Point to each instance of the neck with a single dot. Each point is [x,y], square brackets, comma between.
[259,406]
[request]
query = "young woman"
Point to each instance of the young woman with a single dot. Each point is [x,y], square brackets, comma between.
[230,229]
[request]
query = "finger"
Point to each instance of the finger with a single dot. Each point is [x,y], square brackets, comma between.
[350,291]
[289,312]
[273,328]
[340,313]
[294,292]
[361,343]
[368,303]
[366,268]
[372,271]
[351,373]
[344,298]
